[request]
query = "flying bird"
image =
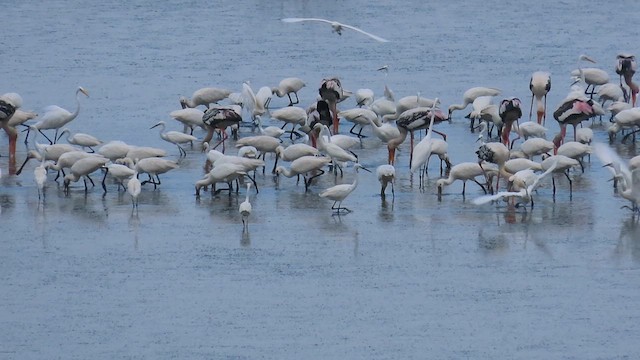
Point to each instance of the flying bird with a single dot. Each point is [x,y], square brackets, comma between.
[336,26]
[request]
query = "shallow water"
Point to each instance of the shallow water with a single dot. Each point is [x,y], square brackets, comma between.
[405,277]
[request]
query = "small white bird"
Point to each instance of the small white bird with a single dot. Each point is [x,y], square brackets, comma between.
[336,26]
[245,210]
[80,139]
[175,137]
[134,187]
[340,192]
[40,176]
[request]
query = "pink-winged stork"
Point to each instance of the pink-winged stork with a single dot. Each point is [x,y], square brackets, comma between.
[220,118]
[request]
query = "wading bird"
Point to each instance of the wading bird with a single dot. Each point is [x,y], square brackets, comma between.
[340,192]
[626,68]
[540,85]
[55,117]
[386,175]
[80,139]
[205,96]
[245,210]
[288,86]
[175,137]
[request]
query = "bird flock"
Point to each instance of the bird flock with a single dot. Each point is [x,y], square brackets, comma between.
[307,141]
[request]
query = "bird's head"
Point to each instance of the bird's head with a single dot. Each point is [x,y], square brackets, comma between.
[183,102]
[161,123]
[84,91]
[584,57]
[358,166]
[440,185]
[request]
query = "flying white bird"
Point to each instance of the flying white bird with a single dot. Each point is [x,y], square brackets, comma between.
[336,26]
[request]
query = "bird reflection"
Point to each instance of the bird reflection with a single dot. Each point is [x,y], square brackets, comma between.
[629,239]
[386,209]
[245,240]
[134,226]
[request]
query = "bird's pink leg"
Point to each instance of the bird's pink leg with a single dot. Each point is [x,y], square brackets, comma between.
[392,155]
[13,139]
[336,119]
[505,133]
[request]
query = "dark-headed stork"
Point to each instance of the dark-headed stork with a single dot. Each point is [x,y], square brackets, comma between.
[509,112]
[626,68]
[220,118]
[331,91]
[411,120]
[573,110]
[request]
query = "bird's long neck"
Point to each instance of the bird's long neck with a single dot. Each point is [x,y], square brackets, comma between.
[75,113]
[395,142]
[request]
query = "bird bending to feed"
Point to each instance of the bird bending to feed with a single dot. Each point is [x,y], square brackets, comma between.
[340,192]
[205,96]
[288,86]
[526,179]
[465,171]
[386,175]
[220,118]
[305,165]
[540,85]
[245,210]
[509,112]
[628,177]
[470,95]
[336,27]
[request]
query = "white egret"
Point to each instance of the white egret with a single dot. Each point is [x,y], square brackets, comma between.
[245,210]
[80,139]
[134,187]
[55,117]
[340,192]
[175,137]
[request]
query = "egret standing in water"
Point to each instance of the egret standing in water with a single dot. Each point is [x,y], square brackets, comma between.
[134,187]
[56,117]
[175,137]
[245,210]
[340,192]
